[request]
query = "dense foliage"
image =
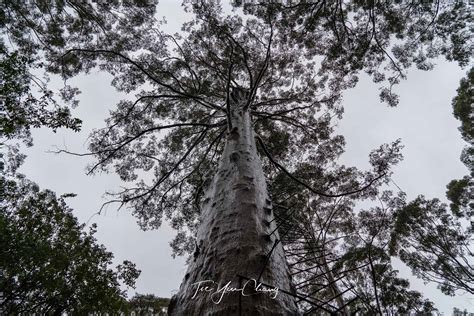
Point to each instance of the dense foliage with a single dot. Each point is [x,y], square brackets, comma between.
[34,35]
[20,108]
[384,39]
[144,304]
[48,263]
[182,83]
[293,61]
[436,241]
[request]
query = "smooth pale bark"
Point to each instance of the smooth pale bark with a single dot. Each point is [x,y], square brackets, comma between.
[234,235]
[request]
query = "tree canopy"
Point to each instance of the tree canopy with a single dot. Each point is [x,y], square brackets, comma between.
[434,244]
[459,191]
[382,39]
[436,241]
[34,34]
[20,108]
[292,62]
[143,304]
[49,263]
[182,85]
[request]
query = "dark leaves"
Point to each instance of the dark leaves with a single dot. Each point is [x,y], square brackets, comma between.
[48,262]
[434,245]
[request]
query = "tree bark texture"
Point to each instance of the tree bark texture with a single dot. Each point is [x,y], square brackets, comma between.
[235,235]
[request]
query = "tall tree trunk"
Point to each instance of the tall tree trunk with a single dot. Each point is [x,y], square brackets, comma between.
[234,236]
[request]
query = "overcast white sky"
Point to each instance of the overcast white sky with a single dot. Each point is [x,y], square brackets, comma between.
[423,120]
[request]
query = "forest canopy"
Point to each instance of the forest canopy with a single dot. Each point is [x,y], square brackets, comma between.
[286,66]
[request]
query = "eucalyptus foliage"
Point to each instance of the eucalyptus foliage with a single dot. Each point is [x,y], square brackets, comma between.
[293,61]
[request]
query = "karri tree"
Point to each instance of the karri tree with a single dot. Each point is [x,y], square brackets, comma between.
[227,91]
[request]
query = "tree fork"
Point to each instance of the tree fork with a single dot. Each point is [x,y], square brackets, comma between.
[234,238]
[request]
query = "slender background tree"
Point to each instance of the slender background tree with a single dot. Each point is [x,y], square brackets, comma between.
[232,51]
